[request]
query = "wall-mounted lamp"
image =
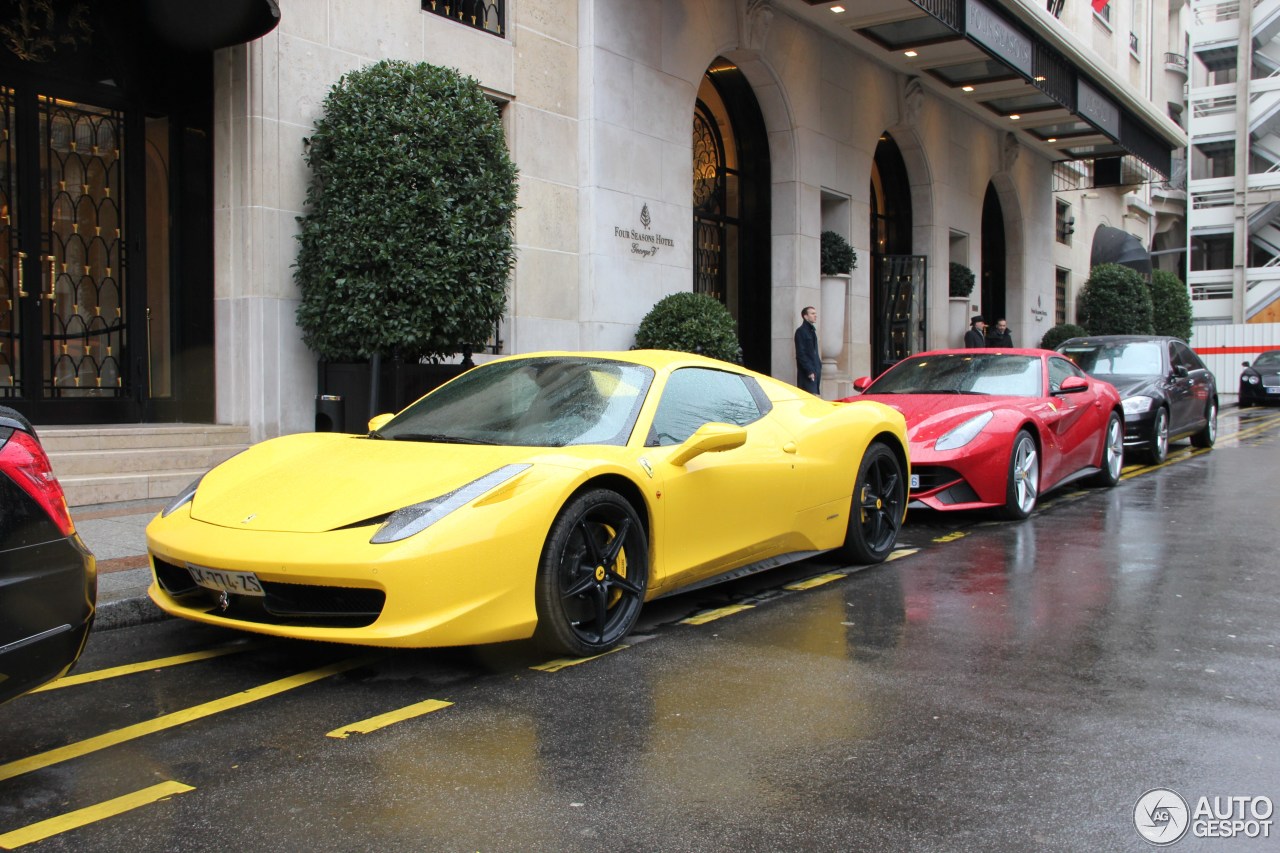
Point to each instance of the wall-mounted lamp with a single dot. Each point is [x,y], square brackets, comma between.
[1089,195]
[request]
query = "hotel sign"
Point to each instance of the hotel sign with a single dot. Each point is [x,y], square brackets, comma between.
[994,33]
[643,243]
[1097,109]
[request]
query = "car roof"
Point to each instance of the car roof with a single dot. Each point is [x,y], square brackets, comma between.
[986,351]
[1118,339]
[656,359]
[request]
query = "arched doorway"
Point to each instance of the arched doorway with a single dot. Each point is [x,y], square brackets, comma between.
[898,278]
[731,213]
[993,257]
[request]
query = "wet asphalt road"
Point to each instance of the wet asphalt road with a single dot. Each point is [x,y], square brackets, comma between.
[1001,687]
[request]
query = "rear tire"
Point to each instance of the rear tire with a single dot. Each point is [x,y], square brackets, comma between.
[1207,436]
[877,508]
[1023,489]
[1112,453]
[593,575]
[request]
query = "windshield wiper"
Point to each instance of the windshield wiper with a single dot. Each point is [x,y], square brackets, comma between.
[437,438]
[373,433]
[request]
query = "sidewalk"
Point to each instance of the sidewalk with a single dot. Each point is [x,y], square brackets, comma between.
[115,534]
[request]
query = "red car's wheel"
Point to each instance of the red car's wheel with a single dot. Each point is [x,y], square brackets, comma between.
[1023,489]
[1112,453]
[593,575]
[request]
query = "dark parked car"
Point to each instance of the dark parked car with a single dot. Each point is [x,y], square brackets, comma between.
[1260,381]
[48,578]
[1166,390]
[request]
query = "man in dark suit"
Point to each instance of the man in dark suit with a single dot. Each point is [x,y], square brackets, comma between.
[1000,336]
[808,363]
[977,334]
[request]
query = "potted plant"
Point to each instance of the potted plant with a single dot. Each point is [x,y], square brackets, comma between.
[961,280]
[837,256]
[960,286]
[406,246]
[837,260]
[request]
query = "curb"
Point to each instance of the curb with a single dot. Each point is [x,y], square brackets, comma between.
[126,613]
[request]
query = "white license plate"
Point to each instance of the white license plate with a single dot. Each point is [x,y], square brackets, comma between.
[915,481]
[1272,389]
[241,583]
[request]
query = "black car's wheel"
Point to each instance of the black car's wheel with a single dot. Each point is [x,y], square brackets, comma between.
[593,575]
[1207,436]
[1023,489]
[1112,453]
[1158,439]
[878,507]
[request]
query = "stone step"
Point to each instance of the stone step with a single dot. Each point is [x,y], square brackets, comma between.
[79,463]
[111,488]
[124,436]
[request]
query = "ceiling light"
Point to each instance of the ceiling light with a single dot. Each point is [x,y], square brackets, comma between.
[1052,139]
[966,88]
[837,9]
[910,53]
[1014,117]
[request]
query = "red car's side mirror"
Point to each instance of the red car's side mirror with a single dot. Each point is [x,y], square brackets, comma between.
[860,384]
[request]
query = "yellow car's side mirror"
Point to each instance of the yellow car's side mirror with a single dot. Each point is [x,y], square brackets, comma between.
[379,421]
[710,438]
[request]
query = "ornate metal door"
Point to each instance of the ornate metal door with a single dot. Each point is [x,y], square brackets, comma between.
[900,308]
[64,299]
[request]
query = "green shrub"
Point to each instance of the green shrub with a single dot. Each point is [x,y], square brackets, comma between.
[690,322]
[961,280]
[1060,333]
[1115,301]
[838,257]
[1170,305]
[407,243]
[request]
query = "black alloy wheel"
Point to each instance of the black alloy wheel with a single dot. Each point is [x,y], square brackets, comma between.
[1158,440]
[1207,436]
[877,509]
[1112,453]
[593,575]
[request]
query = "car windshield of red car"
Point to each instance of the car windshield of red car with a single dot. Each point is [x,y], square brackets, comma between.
[988,373]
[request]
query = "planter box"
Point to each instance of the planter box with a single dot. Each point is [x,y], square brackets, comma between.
[400,383]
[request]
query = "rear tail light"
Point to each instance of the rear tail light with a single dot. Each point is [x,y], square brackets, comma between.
[24,461]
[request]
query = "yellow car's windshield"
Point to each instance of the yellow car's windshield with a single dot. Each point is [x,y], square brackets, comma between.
[539,402]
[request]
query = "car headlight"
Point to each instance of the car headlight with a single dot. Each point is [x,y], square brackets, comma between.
[416,518]
[1251,379]
[184,497]
[1137,405]
[965,433]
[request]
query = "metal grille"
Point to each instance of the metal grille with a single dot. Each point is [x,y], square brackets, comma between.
[82,279]
[10,380]
[901,308]
[489,17]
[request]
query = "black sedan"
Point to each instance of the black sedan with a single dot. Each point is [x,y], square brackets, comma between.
[1260,381]
[1166,390]
[48,578]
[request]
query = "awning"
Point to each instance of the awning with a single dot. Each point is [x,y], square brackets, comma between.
[1114,246]
[206,25]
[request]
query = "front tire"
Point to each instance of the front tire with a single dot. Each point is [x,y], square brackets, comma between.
[877,509]
[593,575]
[1158,440]
[1112,453]
[1023,489]
[1207,436]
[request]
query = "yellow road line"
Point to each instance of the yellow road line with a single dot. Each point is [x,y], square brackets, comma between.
[900,553]
[712,615]
[391,717]
[176,718]
[146,665]
[818,580]
[563,663]
[951,537]
[90,814]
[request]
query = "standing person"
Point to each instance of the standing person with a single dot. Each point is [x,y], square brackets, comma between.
[977,334]
[808,363]
[1000,336]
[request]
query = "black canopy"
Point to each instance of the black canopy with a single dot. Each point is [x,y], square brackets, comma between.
[206,25]
[1114,246]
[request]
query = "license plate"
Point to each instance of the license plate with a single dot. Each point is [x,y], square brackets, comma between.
[1272,389]
[915,481]
[241,583]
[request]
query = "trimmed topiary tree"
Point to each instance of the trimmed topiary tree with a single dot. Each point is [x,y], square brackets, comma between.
[837,256]
[1115,301]
[1060,333]
[690,322]
[961,282]
[1170,305]
[406,245]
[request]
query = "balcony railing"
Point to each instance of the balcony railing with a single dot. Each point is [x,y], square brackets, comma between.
[487,16]
[1176,62]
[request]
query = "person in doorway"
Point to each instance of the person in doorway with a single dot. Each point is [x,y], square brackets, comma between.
[977,334]
[999,335]
[808,363]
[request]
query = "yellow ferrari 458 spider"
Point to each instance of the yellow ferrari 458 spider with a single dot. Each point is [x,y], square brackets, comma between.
[546,495]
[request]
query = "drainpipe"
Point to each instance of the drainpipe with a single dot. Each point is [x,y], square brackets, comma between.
[1240,259]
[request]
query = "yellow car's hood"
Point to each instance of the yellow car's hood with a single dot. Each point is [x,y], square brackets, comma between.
[320,481]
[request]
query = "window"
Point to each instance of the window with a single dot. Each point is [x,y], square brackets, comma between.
[1065,223]
[695,396]
[1212,252]
[1063,279]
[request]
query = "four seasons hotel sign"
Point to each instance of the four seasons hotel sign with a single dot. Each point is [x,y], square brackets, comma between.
[643,243]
